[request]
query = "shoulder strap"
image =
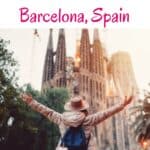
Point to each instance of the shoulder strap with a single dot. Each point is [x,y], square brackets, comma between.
[88,140]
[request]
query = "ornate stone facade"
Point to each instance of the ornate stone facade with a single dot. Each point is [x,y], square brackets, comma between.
[122,74]
[54,74]
[92,75]
[121,69]
[89,75]
[48,71]
[91,69]
[60,62]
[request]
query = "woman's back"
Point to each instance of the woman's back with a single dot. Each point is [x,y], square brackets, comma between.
[75,119]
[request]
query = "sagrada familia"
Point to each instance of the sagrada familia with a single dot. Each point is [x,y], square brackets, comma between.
[97,78]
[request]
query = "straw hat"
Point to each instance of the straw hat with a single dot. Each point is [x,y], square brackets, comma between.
[76,103]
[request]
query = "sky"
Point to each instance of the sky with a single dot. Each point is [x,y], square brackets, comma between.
[30,51]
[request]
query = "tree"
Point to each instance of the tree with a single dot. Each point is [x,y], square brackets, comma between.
[48,133]
[14,126]
[20,127]
[141,123]
[8,89]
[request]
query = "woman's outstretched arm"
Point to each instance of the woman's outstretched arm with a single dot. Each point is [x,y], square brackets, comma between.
[98,117]
[47,112]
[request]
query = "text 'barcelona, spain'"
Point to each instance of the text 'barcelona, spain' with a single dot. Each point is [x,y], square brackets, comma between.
[98,15]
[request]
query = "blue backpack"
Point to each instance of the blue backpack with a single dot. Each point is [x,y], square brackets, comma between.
[74,139]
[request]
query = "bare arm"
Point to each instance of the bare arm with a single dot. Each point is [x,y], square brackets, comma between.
[45,111]
[98,117]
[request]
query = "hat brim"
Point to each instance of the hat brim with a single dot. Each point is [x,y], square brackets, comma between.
[69,107]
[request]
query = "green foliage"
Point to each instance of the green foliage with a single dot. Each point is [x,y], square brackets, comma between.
[141,123]
[30,129]
[8,65]
[48,133]
[20,127]
[8,89]
[54,97]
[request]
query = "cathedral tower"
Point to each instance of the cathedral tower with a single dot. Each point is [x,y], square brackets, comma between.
[121,70]
[98,69]
[85,65]
[98,85]
[48,72]
[54,74]
[92,76]
[85,50]
[60,62]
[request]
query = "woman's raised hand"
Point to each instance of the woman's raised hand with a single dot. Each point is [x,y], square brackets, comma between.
[26,98]
[129,99]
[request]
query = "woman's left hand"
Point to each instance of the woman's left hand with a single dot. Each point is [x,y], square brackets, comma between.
[128,100]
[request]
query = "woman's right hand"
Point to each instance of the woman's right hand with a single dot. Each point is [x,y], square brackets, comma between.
[26,98]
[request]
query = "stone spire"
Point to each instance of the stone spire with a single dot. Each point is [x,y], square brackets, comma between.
[60,63]
[98,56]
[122,72]
[61,32]
[96,34]
[123,75]
[48,71]
[85,50]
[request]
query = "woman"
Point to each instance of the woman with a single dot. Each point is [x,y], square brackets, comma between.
[76,114]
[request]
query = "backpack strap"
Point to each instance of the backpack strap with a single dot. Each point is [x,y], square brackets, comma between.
[62,138]
[88,140]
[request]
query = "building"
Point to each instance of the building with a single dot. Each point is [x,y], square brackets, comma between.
[91,69]
[54,72]
[122,74]
[69,73]
[48,70]
[60,62]
[91,74]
